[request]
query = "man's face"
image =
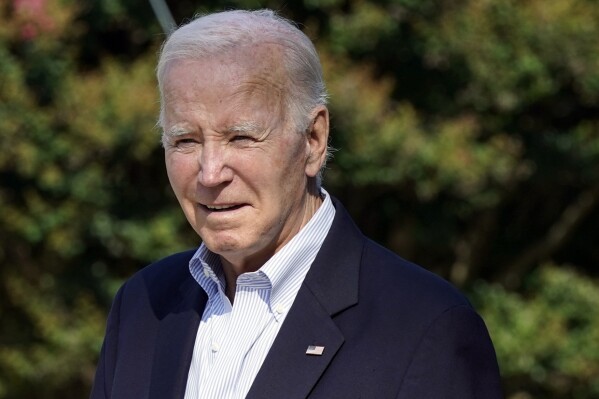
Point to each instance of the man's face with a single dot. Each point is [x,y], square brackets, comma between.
[234,161]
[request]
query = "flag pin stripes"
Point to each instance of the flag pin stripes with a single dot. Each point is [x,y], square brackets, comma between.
[315,350]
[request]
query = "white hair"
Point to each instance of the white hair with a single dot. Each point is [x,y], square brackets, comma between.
[225,31]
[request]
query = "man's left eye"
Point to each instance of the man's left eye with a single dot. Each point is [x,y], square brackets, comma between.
[242,138]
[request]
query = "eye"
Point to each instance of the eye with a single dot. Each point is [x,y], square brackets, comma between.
[185,142]
[242,139]
[181,143]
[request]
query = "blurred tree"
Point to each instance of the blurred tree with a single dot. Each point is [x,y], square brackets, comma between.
[547,337]
[468,137]
[471,117]
[83,189]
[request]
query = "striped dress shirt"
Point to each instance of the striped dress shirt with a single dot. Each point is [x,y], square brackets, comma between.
[233,340]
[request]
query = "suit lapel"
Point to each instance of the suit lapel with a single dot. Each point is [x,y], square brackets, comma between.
[175,342]
[287,368]
[330,287]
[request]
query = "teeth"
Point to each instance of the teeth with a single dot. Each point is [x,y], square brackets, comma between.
[218,208]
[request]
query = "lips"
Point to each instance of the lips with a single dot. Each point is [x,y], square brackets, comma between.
[221,208]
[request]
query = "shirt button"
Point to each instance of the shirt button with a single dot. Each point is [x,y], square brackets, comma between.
[279,309]
[206,273]
[215,347]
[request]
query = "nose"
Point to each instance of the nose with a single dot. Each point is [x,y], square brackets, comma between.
[213,166]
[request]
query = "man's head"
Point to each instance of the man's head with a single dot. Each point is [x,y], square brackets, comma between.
[245,131]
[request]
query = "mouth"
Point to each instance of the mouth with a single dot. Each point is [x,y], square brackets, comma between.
[221,208]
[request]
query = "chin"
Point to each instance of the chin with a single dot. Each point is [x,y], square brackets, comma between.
[222,244]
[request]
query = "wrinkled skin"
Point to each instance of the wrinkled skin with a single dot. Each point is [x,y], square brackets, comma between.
[242,174]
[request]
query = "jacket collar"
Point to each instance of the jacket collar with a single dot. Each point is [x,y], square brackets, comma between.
[330,287]
[175,341]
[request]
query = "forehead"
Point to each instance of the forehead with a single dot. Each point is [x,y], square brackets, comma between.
[257,65]
[249,79]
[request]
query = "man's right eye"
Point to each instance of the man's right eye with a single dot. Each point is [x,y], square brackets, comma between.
[185,142]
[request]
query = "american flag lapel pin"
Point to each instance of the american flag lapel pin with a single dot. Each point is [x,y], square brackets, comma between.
[315,350]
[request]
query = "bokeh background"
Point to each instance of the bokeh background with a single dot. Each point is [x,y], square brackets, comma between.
[468,141]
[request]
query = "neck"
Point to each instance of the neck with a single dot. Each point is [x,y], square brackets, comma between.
[233,267]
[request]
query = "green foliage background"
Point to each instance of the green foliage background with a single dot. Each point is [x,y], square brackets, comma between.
[468,138]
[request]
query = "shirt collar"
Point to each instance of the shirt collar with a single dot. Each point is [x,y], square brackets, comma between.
[288,267]
[285,270]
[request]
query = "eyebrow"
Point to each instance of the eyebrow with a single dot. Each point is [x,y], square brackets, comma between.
[176,131]
[244,127]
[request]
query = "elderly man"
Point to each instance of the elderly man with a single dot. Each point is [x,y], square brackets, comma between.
[285,298]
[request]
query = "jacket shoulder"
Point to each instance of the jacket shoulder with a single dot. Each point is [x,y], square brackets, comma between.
[159,280]
[400,282]
[172,267]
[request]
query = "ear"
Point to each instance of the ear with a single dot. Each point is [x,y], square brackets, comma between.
[317,137]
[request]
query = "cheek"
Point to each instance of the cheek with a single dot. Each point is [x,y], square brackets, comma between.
[181,170]
[288,158]
[291,164]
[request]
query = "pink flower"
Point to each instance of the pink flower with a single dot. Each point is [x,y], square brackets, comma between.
[34,17]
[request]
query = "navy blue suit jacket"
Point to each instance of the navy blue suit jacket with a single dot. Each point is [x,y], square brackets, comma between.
[390,329]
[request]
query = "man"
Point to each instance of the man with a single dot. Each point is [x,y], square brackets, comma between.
[285,298]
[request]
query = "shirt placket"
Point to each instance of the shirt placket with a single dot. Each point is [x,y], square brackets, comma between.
[237,336]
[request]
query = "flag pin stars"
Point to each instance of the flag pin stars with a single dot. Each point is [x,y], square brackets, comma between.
[315,350]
